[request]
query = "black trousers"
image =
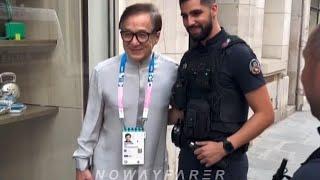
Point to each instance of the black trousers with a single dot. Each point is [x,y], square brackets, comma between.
[191,169]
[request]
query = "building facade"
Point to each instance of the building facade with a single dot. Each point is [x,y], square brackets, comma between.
[86,33]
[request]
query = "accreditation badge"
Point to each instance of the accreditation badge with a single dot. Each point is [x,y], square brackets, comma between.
[133,140]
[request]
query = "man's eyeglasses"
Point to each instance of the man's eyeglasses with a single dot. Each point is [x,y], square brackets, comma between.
[141,36]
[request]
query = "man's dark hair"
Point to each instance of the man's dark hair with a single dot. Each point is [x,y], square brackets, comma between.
[311,50]
[140,8]
[205,2]
[127,135]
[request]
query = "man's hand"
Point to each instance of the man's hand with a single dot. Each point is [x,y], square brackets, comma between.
[174,116]
[84,175]
[209,152]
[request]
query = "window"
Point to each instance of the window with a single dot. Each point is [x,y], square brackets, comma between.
[314,14]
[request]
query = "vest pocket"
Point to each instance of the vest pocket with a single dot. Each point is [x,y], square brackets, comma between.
[197,121]
[232,112]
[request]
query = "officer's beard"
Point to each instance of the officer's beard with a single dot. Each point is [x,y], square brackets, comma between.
[205,32]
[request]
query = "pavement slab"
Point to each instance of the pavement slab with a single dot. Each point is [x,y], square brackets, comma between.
[294,138]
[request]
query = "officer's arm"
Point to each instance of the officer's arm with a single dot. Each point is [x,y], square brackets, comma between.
[178,97]
[263,117]
[174,116]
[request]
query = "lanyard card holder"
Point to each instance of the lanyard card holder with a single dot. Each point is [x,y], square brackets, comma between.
[133,140]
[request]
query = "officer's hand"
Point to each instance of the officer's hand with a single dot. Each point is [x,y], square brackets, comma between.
[209,152]
[84,175]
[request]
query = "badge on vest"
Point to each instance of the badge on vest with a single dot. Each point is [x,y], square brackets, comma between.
[255,67]
[133,140]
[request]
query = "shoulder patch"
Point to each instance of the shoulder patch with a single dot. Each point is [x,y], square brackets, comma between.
[255,67]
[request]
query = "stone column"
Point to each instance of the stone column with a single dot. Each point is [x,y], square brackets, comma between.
[304,38]
[298,37]
[294,49]
[275,52]
[276,34]
[276,29]
[244,18]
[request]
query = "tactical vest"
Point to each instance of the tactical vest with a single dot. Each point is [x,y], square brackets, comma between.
[212,112]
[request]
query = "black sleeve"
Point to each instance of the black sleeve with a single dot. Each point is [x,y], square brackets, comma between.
[309,171]
[178,90]
[241,60]
[182,62]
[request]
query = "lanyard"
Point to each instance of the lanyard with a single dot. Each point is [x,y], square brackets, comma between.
[148,90]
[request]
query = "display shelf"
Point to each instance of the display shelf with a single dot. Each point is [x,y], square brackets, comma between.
[26,45]
[32,112]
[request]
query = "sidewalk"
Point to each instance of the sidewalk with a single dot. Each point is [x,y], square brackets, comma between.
[293,138]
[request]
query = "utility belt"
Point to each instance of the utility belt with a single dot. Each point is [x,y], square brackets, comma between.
[182,142]
[201,123]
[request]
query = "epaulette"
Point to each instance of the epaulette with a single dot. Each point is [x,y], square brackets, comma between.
[232,40]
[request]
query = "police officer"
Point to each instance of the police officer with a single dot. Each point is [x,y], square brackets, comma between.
[310,79]
[218,80]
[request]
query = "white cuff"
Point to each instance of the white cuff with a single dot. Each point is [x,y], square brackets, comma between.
[82,163]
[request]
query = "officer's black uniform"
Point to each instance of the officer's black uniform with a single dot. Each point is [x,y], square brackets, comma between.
[220,74]
[310,168]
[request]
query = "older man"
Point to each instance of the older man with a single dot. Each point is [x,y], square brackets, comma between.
[129,94]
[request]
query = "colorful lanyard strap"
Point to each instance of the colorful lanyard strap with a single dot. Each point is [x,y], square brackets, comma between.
[148,91]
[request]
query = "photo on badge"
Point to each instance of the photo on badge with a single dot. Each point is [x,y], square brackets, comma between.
[132,147]
[128,140]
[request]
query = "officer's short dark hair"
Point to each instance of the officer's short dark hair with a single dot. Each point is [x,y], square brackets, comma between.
[128,134]
[205,2]
[140,8]
[311,51]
